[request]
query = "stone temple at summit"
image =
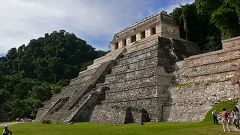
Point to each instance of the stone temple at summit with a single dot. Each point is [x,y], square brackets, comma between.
[150,74]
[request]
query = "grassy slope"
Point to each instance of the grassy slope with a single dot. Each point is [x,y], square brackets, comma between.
[201,128]
[228,104]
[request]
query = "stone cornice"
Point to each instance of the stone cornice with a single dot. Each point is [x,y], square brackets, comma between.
[143,24]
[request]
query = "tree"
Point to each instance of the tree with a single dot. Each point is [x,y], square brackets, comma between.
[224,14]
[196,28]
[226,19]
[207,22]
[207,7]
[30,74]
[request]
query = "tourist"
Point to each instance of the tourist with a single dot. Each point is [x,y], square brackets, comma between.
[236,116]
[225,117]
[230,118]
[214,117]
[6,131]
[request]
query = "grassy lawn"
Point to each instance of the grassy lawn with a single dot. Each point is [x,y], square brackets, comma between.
[151,128]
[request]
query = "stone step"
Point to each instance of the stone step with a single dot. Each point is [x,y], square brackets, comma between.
[214,57]
[94,66]
[80,80]
[151,50]
[210,78]
[110,56]
[136,74]
[202,97]
[45,110]
[86,73]
[80,93]
[141,82]
[73,86]
[39,113]
[101,59]
[142,57]
[135,66]
[120,101]
[209,69]
[152,91]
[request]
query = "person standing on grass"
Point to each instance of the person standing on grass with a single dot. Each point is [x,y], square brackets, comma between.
[225,117]
[6,131]
[236,116]
[214,117]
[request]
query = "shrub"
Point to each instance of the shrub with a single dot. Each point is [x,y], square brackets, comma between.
[228,104]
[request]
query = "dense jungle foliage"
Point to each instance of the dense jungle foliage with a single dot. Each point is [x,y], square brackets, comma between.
[207,22]
[30,74]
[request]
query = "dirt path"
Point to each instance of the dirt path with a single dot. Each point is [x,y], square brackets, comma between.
[10,123]
[234,129]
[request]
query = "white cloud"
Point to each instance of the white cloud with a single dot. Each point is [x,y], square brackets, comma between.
[176,3]
[93,20]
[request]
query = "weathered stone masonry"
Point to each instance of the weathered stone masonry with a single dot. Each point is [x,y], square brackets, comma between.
[150,74]
[201,81]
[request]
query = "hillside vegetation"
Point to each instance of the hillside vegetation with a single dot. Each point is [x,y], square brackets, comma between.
[207,22]
[30,74]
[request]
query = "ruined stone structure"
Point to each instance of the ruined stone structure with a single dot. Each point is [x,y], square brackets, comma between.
[149,75]
[203,80]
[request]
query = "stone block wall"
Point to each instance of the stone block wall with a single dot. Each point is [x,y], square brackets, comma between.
[154,79]
[139,81]
[200,81]
[231,43]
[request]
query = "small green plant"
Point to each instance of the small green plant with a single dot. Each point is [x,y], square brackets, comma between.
[228,104]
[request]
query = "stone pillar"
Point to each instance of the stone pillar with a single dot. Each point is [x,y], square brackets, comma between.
[147,32]
[138,36]
[158,29]
[120,44]
[128,41]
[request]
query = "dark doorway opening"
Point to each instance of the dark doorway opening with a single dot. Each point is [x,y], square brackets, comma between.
[129,116]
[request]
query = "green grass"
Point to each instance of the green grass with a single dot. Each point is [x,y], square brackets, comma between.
[151,128]
[228,104]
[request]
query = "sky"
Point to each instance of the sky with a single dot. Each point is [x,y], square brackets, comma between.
[95,21]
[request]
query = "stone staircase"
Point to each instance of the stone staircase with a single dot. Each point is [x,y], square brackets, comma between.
[136,82]
[139,80]
[109,56]
[214,66]
[201,81]
[64,106]
[66,91]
